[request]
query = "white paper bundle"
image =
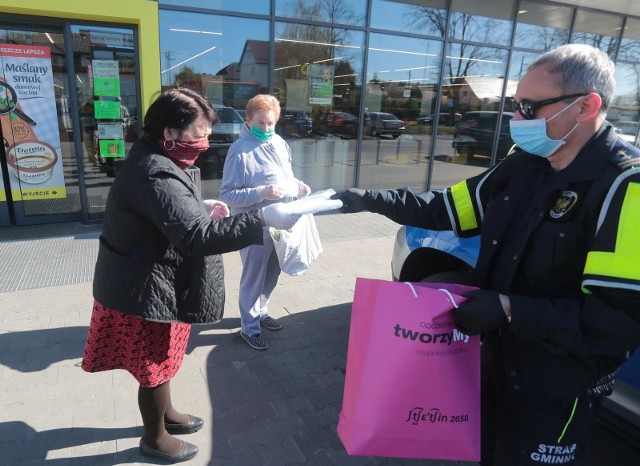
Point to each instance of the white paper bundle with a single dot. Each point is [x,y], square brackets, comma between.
[319,201]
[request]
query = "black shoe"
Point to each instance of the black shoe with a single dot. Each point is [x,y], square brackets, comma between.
[187,452]
[194,424]
[270,323]
[255,341]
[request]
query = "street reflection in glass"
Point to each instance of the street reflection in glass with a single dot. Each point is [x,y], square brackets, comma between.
[429,18]
[541,26]
[347,12]
[484,22]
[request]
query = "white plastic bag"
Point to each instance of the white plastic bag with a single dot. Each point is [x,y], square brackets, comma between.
[298,247]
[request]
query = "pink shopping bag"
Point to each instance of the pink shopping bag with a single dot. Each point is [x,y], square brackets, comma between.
[412,387]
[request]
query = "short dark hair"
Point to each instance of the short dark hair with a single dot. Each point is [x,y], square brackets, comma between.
[176,108]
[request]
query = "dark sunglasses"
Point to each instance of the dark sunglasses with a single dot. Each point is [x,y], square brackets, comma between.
[528,109]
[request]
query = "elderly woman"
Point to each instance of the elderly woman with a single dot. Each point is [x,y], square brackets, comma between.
[158,267]
[257,173]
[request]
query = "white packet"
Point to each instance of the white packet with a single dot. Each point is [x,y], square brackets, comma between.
[319,201]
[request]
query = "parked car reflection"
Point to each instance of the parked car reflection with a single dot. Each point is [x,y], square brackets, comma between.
[228,127]
[341,124]
[444,119]
[223,134]
[627,130]
[381,124]
[474,134]
[294,122]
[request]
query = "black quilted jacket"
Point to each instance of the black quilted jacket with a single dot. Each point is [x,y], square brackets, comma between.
[159,250]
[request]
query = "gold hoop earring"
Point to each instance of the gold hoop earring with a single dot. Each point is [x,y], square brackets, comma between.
[173,144]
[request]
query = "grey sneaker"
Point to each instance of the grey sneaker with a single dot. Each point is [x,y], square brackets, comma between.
[255,341]
[270,323]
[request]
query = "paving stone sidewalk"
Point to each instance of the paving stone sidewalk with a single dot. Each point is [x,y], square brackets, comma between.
[276,407]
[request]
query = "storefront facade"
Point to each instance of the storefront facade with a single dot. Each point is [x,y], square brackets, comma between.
[74,78]
[375,93]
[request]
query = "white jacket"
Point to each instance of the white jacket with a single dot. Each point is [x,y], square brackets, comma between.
[251,164]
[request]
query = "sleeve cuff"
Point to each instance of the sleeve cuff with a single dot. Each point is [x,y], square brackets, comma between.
[524,316]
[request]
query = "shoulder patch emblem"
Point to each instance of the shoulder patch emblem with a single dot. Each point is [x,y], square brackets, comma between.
[624,159]
[563,204]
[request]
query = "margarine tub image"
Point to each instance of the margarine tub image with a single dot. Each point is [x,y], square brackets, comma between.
[32,161]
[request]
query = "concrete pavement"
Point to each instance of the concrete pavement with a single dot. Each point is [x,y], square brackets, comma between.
[275,407]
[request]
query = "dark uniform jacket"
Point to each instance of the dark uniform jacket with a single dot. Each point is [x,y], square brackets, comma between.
[159,250]
[564,246]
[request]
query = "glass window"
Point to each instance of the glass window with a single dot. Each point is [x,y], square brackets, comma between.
[624,113]
[317,78]
[350,12]
[226,59]
[473,87]
[486,22]
[107,100]
[402,83]
[600,30]
[542,26]
[245,6]
[630,43]
[429,18]
[519,63]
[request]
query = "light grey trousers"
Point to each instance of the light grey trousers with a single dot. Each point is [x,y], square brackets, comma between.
[260,272]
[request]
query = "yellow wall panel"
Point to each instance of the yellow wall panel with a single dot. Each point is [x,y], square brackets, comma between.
[141,13]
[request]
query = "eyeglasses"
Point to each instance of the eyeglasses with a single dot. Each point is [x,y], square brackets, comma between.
[528,109]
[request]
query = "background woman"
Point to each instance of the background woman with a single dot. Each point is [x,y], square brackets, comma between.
[257,173]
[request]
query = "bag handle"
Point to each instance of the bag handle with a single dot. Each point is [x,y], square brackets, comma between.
[453,301]
[415,295]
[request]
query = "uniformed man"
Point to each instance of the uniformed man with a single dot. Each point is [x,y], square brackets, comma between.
[558,275]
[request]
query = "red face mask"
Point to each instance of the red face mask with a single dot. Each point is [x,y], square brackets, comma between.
[184,153]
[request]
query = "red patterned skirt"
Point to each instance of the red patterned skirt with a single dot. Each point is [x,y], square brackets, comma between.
[151,351]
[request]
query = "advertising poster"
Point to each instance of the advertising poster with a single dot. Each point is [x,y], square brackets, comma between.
[110,131]
[320,84]
[106,109]
[106,78]
[112,148]
[30,123]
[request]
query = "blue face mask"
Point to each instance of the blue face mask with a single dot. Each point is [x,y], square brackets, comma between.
[531,135]
[260,135]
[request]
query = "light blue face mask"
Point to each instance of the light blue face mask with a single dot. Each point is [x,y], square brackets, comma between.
[260,135]
[531,135]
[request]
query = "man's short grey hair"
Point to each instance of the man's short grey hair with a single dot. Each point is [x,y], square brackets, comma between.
[581,68]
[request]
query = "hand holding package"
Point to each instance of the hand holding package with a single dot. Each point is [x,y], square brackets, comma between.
[303,189]
[352,199]
[482,312]
[319,201]
[271,192]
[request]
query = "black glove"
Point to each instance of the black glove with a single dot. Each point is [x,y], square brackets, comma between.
[352,200]
[482,312]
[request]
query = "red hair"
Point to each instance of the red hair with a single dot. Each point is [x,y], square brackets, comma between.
[263,102]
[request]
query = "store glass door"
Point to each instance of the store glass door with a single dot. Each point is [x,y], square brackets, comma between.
[68,115]
[39,181]
[106,87]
